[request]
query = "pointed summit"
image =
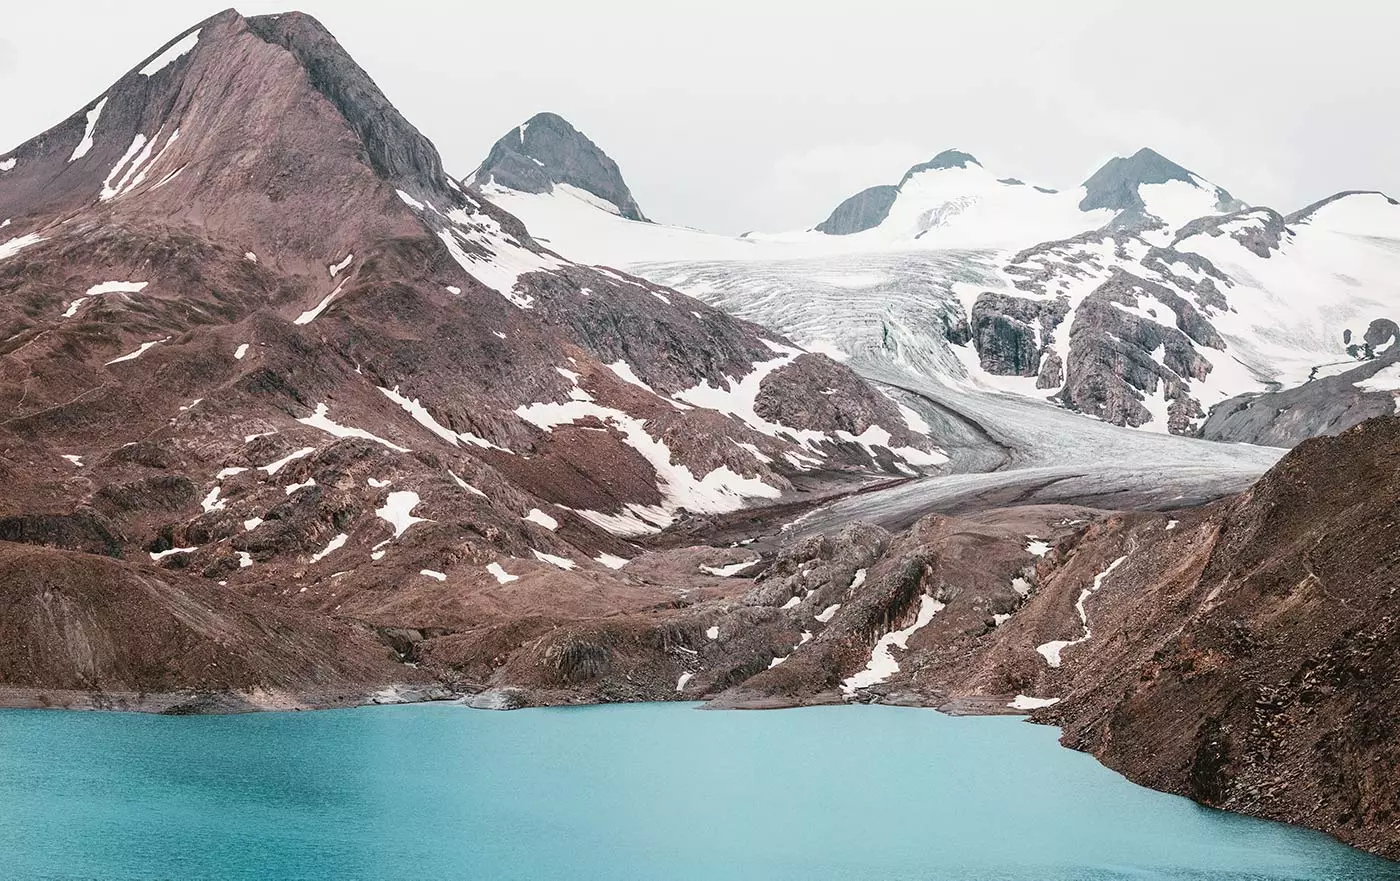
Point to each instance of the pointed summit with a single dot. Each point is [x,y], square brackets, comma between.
[1117,187]
[546,151]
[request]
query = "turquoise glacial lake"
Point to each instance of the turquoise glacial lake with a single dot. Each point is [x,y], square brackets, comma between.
[660,792]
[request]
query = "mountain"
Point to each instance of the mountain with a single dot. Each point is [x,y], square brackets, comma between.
[544,153]
[254,334]
[1148,190]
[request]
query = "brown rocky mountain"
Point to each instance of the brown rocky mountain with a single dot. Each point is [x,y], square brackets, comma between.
[253,332]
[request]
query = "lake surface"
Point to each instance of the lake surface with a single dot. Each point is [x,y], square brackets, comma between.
[651,791]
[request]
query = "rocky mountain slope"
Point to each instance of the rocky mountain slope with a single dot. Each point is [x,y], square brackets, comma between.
[544,153]
[254,333]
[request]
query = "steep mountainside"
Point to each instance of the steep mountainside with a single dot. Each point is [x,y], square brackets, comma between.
[252,331]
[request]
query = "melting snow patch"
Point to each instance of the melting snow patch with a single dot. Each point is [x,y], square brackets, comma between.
[239,352]
[172,52]
[310,315]
[561,562]
[611,561]
[464,485]
[293,487]
[106,287]
[856,581]
[398,511]
[727,571]
[1036,546]
[1000,619]
[1051,650]
[377,483]
[14,246]
[440,576]
[792,603]
[719,491]
[1172,524]
[252,523]
[826,614]
[882,664]
[212,502]
[421,415]
[501,575]
[273,467]
[86,143]
[334,545]
[680,683]
[9,164]
[76,460]
[337,268]
[1025,702]
[160,555]
[245,559]
[250,256]
[141,350]
[713,632]
[543,519]
[321,421]
[453,289]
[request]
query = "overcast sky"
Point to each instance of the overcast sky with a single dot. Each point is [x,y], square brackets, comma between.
[741,114]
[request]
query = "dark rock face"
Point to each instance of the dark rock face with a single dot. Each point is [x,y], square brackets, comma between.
[865,210]
[1115,186]
[946,159]
[1011,333]
[1261,235]
[546,150]
[1326,406]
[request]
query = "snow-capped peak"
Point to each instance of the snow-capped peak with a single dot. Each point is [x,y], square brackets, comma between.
[1147,190]
[546,152]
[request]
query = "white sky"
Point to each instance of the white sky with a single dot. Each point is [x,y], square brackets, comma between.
[741,114]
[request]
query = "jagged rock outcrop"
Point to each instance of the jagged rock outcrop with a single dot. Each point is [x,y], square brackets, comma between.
[1012,333]
[545,151]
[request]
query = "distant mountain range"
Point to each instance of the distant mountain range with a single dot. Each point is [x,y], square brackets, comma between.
[1148,297]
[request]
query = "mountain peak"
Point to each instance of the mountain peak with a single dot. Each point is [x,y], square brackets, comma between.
[946,159]
[1115,186]
[546,151]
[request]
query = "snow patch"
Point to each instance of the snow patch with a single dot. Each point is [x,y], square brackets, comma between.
[398,511]
[500,574]
[562,562]
[543,519]
[1051,650]
[611,561]
[882,664]
[140,350]
[320,420]
[239,352]
[331,547]
[273,467]
[86,143]
[430,573]
[1026,702]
